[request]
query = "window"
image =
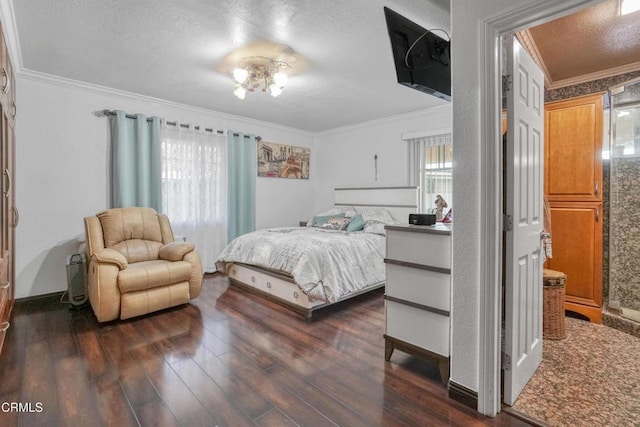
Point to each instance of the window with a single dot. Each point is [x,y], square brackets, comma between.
[430,168]
[194,189]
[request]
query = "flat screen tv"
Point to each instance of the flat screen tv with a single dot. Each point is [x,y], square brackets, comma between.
[422,58]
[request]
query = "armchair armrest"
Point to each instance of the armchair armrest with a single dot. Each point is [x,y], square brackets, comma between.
[110,256]
[175,251]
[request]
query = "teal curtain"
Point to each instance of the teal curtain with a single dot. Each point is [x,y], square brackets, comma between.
[135,161]
[242,173]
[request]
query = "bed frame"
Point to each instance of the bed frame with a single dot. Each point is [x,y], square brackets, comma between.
[280,287]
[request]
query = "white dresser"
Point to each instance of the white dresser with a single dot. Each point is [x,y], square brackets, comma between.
[418,292]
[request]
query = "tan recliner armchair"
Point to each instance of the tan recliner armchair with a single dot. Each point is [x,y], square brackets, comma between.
[135,267]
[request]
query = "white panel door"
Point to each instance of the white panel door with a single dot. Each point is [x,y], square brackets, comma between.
[524,200]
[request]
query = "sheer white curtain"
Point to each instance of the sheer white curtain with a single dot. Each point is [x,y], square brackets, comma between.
[194,188]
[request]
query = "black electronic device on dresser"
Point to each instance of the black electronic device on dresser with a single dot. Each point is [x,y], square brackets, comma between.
[422,219]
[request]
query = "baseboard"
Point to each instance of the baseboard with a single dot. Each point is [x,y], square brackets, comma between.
[39,302]
[53,296]
[463,395]
[523,417]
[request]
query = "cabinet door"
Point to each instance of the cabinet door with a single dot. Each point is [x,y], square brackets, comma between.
[573,149]
[6,299]
[8,211]
[5,79]
[577,251]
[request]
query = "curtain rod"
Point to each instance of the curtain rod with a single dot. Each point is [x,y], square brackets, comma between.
[174,123]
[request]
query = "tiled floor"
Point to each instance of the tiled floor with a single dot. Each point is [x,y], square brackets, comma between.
[591,378]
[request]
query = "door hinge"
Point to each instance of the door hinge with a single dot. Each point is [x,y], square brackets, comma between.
[507,83]
[506,361]
[507,223]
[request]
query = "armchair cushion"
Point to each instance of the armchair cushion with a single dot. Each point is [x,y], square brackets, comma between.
[135,232]
[144,275]
[136,250]
[111,256]
[175,251]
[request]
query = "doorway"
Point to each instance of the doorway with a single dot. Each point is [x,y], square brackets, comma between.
[490,366]
[546,18]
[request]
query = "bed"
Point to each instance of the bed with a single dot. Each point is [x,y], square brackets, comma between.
[308,268]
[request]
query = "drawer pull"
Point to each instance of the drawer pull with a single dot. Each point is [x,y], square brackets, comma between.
[253,279]
[233,272]
[295,295]
[4,326]
[4,78]
[6,285]
[269,285]
[8,189]
[16,217]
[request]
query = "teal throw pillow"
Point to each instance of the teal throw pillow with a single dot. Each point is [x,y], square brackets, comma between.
[356,224]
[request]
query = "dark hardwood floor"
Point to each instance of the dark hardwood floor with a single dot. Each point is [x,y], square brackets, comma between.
[230,358]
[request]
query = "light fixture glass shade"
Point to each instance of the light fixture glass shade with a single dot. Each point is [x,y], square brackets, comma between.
[259,72]
[280,79]
[240,75]
[240,92]
[275,90]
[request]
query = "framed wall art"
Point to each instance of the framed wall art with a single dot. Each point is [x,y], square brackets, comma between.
[283,161]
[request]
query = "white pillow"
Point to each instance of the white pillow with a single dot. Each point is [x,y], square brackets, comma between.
[378,215]
[349,211]
[374,227]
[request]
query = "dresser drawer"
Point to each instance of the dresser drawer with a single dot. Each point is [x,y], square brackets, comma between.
[433,250]
[424,287]
[418,327]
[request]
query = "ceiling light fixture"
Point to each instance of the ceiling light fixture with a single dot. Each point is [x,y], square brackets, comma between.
[256,71]
[629,6]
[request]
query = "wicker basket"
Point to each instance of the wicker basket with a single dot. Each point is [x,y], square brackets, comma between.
[553,305]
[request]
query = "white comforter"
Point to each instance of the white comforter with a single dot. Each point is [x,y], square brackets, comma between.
[326,264]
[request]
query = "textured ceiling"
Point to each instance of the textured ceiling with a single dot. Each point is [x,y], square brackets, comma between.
[591,41]
[342,68]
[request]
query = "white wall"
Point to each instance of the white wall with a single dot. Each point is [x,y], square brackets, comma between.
[346,155]
[62,164]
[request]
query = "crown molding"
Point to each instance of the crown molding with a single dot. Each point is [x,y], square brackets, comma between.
[382,120]
[37,76]
[526,40]
[530,46]
[610,72]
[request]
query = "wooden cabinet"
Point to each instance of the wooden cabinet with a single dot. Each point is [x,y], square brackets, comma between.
[573,185]
[8,211]
[418,292]
[573,149]
[576,228]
